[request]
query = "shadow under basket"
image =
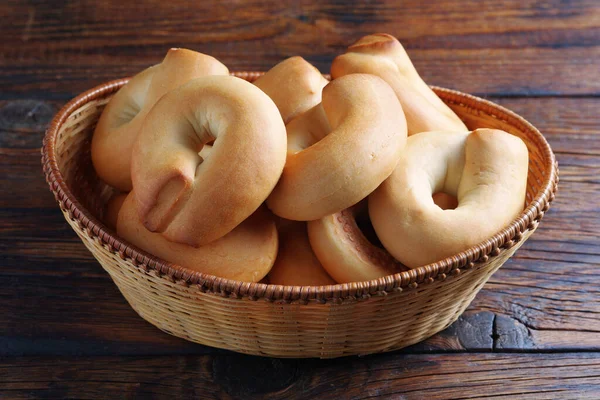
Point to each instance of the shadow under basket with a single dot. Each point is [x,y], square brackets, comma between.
[288,321]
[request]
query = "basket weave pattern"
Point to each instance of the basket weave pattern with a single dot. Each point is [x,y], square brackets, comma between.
[288,321]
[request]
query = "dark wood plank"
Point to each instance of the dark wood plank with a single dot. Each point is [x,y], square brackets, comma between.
[58,300]
[22,126]
[58,49]
[544,298]
[569,124]
[442,376]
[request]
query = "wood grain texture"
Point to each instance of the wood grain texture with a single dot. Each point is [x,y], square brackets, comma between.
[542,299]
[557,307]
[58,49]
[532,332]
[226,376]
[22,126]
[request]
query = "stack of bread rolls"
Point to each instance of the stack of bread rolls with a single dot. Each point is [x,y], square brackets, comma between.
[297,180]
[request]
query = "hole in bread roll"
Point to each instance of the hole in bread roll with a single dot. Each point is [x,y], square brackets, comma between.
[308,129]
[128,112]
[445,201]
[204,154]
[363,222]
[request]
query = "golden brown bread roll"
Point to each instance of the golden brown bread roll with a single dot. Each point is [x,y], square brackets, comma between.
[247,253]
[294,85]
[368,134]
[382,55]
[121,120]
[113,206]
[346,254]
[192,201]
[486,170]
[296,263]
[116,130]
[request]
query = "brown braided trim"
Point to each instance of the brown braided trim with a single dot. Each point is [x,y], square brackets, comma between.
[454,265]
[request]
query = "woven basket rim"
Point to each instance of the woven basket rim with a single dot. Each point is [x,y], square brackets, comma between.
[482,252]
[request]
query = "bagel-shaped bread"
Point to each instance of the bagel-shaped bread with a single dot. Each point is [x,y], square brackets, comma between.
[247,253]
[345,252]
[296,263]
[368,134]
[195,201]
[383,55]
[294,85]
[486,170]
[121,120]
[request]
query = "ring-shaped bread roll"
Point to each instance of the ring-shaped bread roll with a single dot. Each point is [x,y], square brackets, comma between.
[367,136]
[345,252]
[122,118]
[294,85]
[192,201]
[486,170]
[247,253]
[383,55]
[296,262]
[348,254]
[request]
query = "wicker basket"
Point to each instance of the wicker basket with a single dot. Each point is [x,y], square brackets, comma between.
[288,321]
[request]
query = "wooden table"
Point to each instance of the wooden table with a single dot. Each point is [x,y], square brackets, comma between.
[532,332]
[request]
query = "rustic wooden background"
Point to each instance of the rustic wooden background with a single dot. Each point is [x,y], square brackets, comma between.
[532,332]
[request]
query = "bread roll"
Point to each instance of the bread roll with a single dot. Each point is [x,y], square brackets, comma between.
[346,254]
[486,170]
[195,201]
[296,263]
[294,85]
[113,206]
[247,253]
[122,118]
[368,134]
[382,55]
